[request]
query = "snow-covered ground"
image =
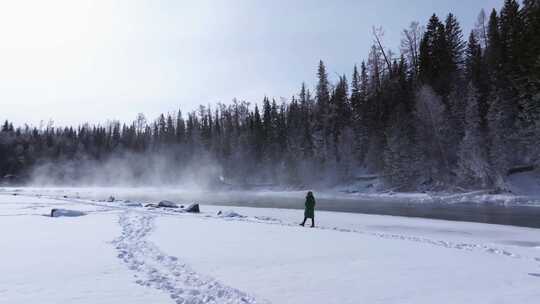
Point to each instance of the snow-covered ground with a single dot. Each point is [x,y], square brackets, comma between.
[520,189]
[120,253]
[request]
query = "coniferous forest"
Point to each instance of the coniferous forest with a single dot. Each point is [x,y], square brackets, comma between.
[449,110]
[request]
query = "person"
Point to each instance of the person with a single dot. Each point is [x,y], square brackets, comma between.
[309,211]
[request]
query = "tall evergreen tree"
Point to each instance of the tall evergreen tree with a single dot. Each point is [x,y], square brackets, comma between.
[359,108]
[476,73]
[435,57]
[322,113]
[180,128]
[511,31]
[340,113]
[493,51]
[528,80]
[456,45]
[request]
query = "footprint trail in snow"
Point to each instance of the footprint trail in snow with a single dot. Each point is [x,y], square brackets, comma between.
[156,270]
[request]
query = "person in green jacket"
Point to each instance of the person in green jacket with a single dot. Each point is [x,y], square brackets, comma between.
[309,212]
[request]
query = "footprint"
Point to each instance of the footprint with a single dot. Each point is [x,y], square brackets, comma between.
[164,272]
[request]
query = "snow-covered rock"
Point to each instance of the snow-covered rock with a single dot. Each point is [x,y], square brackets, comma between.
[167,204]
[193,208]
[230,213]
[132,204]
[66,212]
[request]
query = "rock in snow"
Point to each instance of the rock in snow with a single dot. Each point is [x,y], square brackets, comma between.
[230,213]
[66,212]
[193,208]
[132,204]
[167,204]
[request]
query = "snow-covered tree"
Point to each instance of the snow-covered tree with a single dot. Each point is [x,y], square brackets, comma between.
[473,165]
[431,117]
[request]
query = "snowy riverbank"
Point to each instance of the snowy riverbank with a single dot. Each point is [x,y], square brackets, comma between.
[120,253]
[524,192]
[475,206]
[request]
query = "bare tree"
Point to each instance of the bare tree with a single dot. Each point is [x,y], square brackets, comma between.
[374,66]
[140,123]
[378,33]
[410,44]
[480,29]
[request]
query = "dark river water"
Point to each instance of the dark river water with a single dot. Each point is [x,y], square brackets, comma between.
[516,215]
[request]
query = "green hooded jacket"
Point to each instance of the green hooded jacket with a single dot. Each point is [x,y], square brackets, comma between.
[310,207]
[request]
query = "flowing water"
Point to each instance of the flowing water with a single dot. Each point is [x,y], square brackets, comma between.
[514,214]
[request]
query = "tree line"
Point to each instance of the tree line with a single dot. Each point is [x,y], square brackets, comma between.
[446,111]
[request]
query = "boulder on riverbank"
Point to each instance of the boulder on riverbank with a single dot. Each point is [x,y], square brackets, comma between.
[167,204]
[230,213]
[193,208]
[65,212]
[132,204]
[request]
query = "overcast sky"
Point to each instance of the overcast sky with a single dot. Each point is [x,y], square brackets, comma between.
[75,61]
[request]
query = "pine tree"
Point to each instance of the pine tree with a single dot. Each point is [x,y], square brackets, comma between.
[436,62]
[267,122]
[473,60]
[5,127]
[170,131]
[530,13]
[476,72]
[454,40]
[511,30]
[322,113]
[340,113]
[259,135]
[528,80]
[180,128]
[161,132]
[358,104]
[306,121]
[323,89]
[493,51]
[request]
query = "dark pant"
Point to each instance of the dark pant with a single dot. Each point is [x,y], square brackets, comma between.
[312,221]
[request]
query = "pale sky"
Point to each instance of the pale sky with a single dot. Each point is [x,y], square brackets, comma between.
[76,61]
